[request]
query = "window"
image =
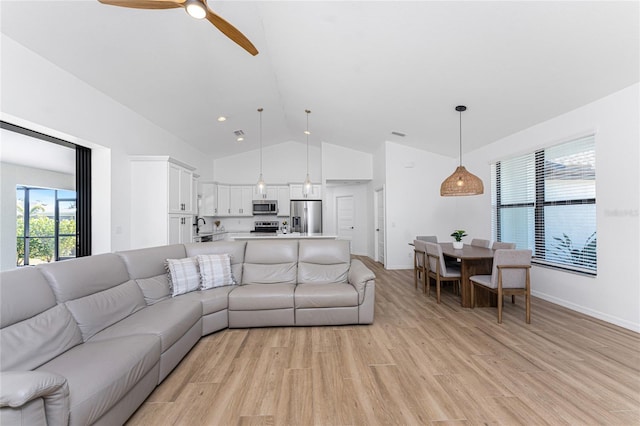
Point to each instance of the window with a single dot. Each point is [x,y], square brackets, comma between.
[45,226]
[546,201]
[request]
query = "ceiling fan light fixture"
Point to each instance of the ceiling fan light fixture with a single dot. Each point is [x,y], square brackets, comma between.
[196,9]
[461,182]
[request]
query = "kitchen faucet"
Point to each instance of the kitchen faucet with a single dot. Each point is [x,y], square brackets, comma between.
[204,222]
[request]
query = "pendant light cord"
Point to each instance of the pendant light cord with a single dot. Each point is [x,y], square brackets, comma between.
[260,125]
[460,112]
[307,133]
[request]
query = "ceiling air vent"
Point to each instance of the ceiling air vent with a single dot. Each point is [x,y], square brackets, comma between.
[239,135]
[402,135]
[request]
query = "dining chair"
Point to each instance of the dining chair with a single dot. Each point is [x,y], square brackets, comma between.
[502,245]
[428,238]
[439,270]
[510,276]
[478,242]
[419,264]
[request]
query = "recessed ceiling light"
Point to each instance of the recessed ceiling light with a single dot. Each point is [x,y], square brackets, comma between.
[239,135]
[306,132]
[222,118]
[240,139]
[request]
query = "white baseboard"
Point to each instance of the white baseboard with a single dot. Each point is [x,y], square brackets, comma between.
[587,311]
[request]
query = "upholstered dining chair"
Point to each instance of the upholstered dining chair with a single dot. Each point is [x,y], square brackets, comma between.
[510,276]
[502,245]
[439,270]
[428,238]
[478,242]
[419,264]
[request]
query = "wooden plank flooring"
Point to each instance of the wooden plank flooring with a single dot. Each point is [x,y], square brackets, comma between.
[419,363]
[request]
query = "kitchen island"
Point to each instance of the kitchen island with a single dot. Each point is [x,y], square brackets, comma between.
[243,236]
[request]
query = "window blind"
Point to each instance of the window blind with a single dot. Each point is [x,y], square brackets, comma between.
[546,201]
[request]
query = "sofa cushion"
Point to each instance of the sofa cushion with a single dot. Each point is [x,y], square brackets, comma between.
[24,293]
[99,310]
[215,270]
[83,276]
[212,300]
[252,297]
[109,369]
[183,275]
[323,261]
[169,320]
[155,289]
[235,250]
[270,262]
[30,343]
[327,295]
[150,262]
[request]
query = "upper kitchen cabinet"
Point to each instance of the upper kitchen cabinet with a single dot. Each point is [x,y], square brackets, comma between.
[161,187]
[241,200]
[209,200]
[235,200]
[271,194]
[296,192]
[180,188]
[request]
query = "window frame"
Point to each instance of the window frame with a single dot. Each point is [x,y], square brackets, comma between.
[538,205]
[26,236]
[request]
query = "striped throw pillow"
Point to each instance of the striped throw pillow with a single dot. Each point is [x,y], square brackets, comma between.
[183,275]
[215,270]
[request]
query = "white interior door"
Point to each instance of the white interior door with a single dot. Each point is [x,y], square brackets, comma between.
[379,224]
[345,217]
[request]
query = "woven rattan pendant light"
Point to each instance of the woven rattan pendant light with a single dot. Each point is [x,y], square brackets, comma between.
[461,182]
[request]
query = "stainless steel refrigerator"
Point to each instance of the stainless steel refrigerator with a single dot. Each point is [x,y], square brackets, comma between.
[306,216]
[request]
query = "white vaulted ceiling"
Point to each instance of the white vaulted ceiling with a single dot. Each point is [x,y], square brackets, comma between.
[364,68]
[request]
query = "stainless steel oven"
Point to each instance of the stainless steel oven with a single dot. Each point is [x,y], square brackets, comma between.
[264,207]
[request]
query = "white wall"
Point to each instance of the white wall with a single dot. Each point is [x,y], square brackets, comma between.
[10,176]
[363,218]
[340,163]
[282,163]
[38,95]
[614,295]
[414,204]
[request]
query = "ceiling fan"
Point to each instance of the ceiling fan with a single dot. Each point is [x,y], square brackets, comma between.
[195,8]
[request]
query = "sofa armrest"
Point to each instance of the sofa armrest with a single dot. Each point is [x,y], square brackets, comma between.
[359,276]
[19,388]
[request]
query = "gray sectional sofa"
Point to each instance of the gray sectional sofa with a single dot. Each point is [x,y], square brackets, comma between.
[85,341]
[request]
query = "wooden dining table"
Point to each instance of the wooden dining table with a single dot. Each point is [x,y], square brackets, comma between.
[473,261]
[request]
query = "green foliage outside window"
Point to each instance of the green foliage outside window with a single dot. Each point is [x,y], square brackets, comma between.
[42,236]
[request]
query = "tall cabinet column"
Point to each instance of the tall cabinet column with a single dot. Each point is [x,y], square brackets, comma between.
[162,208]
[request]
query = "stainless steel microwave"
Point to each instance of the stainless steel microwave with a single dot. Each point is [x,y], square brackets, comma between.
[265,207]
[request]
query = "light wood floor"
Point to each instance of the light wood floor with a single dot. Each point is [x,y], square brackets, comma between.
[419,363]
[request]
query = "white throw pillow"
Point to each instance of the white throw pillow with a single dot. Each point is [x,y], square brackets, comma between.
[183,275]
[215,270]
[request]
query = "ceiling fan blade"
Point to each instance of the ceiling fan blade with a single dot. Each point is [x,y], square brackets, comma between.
[145,4]
[231,32]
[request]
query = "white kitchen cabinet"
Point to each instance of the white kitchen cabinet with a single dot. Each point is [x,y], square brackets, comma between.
[209,200]
[224,208]
[270,194]
[241,200]
[161,188]
[180,228]
[235,200]
[283,200]
[296,193]
[180,189]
